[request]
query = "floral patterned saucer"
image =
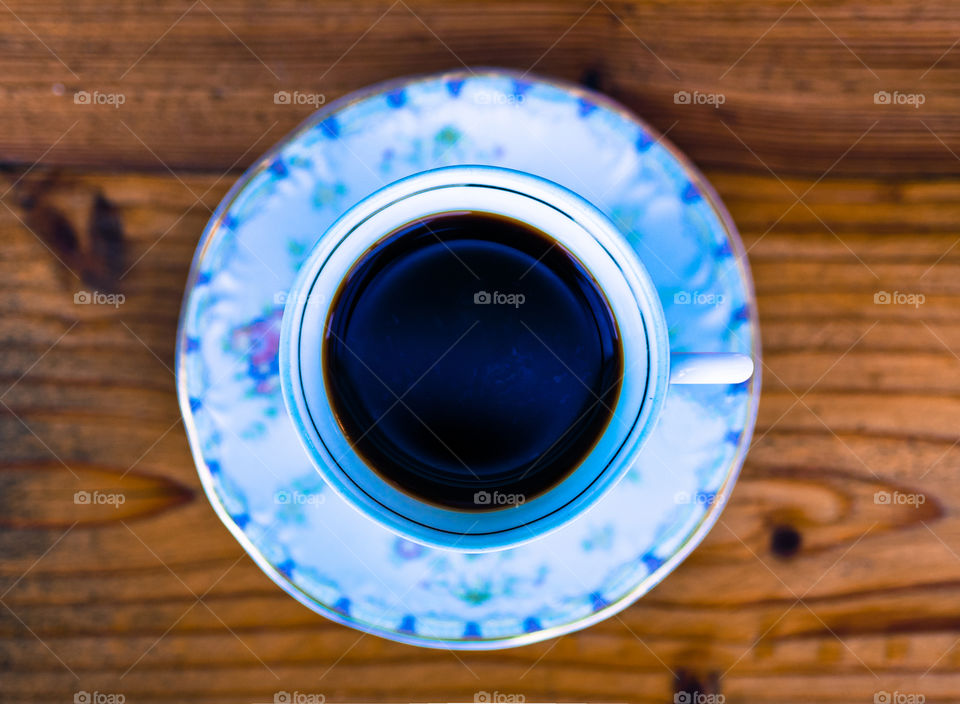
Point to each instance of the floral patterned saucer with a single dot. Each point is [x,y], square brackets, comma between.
[259,479]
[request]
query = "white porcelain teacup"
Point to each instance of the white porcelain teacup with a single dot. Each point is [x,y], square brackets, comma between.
[583,232]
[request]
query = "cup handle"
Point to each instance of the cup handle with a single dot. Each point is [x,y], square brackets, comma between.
[710,368]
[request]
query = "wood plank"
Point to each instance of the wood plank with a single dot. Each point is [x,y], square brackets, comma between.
[197,80]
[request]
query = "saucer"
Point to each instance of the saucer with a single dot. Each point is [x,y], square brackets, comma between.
[259,479]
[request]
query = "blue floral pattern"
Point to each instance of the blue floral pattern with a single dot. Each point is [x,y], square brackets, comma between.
[260,481]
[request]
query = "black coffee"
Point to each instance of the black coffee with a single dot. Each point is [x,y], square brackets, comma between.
[471,361]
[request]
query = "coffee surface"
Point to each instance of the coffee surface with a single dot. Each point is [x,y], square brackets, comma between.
[471,361]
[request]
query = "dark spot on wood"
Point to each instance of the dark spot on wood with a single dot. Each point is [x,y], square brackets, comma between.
[105,260]
[45,220]
[785,541]
[592,78]
[687,686]
[98,259]
[54,229]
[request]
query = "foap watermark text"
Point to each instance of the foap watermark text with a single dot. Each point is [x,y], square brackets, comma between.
[485,696]
[285,697]
[486,98]
[84,697]
[698,298]
[497,498]
[296,97]
[497,298]
[701,497]
[899,498]
[298,498]
[885,97]
[96,298]
[698,698]
[685,97]
[899,298]
[99,498]
[898,697]
[83,97]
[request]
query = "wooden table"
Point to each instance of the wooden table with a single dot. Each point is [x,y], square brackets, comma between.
[811,588]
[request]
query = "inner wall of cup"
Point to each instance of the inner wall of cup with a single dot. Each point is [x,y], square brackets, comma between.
[361,482]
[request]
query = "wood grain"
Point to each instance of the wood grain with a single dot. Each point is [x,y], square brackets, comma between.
[198,79]
[859,398]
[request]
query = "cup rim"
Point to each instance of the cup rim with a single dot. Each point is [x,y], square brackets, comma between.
[645,328]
